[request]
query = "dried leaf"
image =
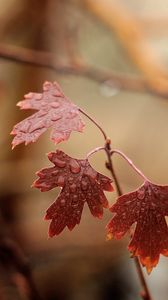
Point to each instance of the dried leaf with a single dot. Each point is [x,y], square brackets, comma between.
[147,207]
[54,110]
[79,183]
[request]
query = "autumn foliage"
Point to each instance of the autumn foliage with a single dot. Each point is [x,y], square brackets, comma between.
[53,110]
[147,207]
[140,213]
[80,183]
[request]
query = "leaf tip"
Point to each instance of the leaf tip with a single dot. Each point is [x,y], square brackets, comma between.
[33,185]
[109,236]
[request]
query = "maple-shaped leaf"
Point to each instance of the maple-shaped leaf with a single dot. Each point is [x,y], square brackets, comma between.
[53,110]
[79,183]
[147,207]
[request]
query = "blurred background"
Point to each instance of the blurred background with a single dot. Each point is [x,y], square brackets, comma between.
[110,57]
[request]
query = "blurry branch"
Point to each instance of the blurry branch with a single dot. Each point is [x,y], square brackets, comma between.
[131,34]
[14,261]
[47,60]
[154,26]
[11,256]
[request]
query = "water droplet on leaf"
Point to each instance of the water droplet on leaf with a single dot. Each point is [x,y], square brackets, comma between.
[62,202]
[84,185]
[60,181]
[55,104]
[74,166]
[59,163]
[73,187]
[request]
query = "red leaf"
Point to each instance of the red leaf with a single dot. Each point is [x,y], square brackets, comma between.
[147,207]
[79,183]
[54,110]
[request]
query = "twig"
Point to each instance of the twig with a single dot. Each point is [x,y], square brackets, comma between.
[12,255]
[145,294]
[129,161]
[94,122]
[132,37]
[47,60]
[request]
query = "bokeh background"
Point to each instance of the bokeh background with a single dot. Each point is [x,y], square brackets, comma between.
[126,41]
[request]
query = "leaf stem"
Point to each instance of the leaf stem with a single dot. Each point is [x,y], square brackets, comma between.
[94,151]
[129,161]
[93,121]
[145,294]
[109,166]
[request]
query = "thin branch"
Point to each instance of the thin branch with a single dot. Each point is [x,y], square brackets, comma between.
[95,123]
[129,161]
[131,35]
[12,255]
[109,166]
[145,294]
[47,60]
[94,151]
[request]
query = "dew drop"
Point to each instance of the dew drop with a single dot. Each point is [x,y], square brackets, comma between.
[82,197]
[72,114]
[42,113]
[73,187]
[83,163]
[54,104]
[55,117]
[91,173]
[54,173]
[26,127]
[84,185]
[104,180]
[124,216]
[43,103]
[149,192]
[141,194]
[153,205]
[60,181]
[59,163]
[36,126]
[74,166]
[74,205]
[70,180]
[108,90]
[62,202]
[38,96]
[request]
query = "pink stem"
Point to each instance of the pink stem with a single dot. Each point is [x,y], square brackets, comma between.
[129,161]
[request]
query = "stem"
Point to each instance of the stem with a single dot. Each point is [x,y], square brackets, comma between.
[145,294]
[94,151]
[129,161]
[93,121]
[109,166]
